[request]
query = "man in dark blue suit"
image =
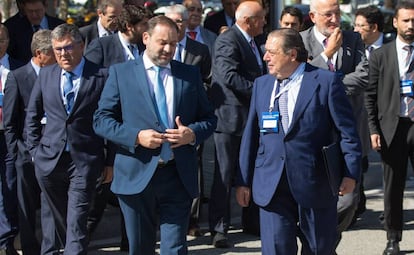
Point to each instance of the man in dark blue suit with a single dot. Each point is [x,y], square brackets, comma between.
[19,87]
[223,19]
[155,169]
[68,155]
[292,112]
[8,199]
[21,29]
[237,61]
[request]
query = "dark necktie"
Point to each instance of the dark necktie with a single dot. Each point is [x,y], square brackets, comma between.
[409,75]
[161,101]
[68,92]
[132,49]
[36,28]
[192,34]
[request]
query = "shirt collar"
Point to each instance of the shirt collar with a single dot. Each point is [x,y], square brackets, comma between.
[77,72]
[245,35]
[35,67]
[148,63]
[319,36]
[101,30]
[4,61]
[400,44]
[379,42]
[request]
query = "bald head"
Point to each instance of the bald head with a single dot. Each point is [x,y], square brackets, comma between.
[250,16]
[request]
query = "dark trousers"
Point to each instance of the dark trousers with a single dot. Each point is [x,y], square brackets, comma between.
[164,200]
[227,149]
[8,197]
[197,202]
[28,193]
[68,194]
[283,220]
[394,159]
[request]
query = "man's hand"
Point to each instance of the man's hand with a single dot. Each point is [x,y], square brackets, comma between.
[334,43]
[243,196]
[182,135]
[347,186]
[376,142]
[150,139]
[107,174]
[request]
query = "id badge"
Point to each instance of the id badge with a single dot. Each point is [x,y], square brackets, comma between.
[1,99]
[269,122]
[406,88]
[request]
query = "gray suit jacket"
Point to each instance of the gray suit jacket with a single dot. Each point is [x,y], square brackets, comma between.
[352,64]
[197,54]
[209,38]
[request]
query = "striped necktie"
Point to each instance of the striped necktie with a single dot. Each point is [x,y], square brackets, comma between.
[283,106]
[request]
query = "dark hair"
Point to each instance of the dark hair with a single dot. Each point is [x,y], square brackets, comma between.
[291,39]
[131,15]
[160,20]
[104,4]
[33,1]
[403,5]
[293,11]
[373,15]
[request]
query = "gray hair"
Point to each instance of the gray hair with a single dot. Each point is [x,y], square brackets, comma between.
[66,29]
[177,9]
[42,40]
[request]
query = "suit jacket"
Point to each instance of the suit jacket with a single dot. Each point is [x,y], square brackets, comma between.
[234,69]
[106,51]
[320,108]
[46,148]
[382,97]
[352,64]
[209,38]
[197,54]
[17,94]
[215,22]
[120,123]
[89,33]
[21,34]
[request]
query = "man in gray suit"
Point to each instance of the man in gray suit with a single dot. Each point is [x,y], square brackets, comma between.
[194,30]
[341,52]
[192,52]
[108,11]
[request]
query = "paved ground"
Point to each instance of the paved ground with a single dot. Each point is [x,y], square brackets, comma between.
[365,238]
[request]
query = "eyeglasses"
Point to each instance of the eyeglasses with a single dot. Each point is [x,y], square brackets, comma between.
[179,21]
[329,15]
[361,25]
[193,8]
[68,48]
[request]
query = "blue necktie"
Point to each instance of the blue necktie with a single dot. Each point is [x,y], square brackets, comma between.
[161,101]
[68,92]
[283,106]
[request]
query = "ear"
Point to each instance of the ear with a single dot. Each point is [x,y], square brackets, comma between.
[145,38]
[312,16]
[375,27]
[394,22]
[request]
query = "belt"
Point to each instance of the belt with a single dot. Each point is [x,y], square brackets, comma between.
[163,164]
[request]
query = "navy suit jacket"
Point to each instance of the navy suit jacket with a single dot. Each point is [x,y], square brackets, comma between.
[21,33]
[215,22]
[127,106]
[234,69]
[105,51]
[17,94]
[89,33]
[86,148]
[320,108]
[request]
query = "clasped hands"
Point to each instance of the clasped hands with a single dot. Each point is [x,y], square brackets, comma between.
[177,137]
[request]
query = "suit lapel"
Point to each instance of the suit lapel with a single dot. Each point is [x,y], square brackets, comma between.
[142,90]
[178,90]
[305,95]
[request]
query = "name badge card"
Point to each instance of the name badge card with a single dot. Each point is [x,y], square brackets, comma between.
[269,122]
[406,88]
[1,99]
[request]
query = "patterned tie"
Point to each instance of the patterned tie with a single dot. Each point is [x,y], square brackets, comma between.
[331,66]
[133,50]
[192,34]
[68,92]
[409,75]
[161,101]
[2,95]
[283,106]
[409,49]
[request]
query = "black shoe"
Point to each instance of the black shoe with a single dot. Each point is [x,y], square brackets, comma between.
[393,248]
[124,246]
[220,240]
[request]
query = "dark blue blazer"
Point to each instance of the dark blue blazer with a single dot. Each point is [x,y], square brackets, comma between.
[86,148]
[19,87]
[321,107]
[105,51]
[215,22]
[89,33]
[21,33]
[127,106]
